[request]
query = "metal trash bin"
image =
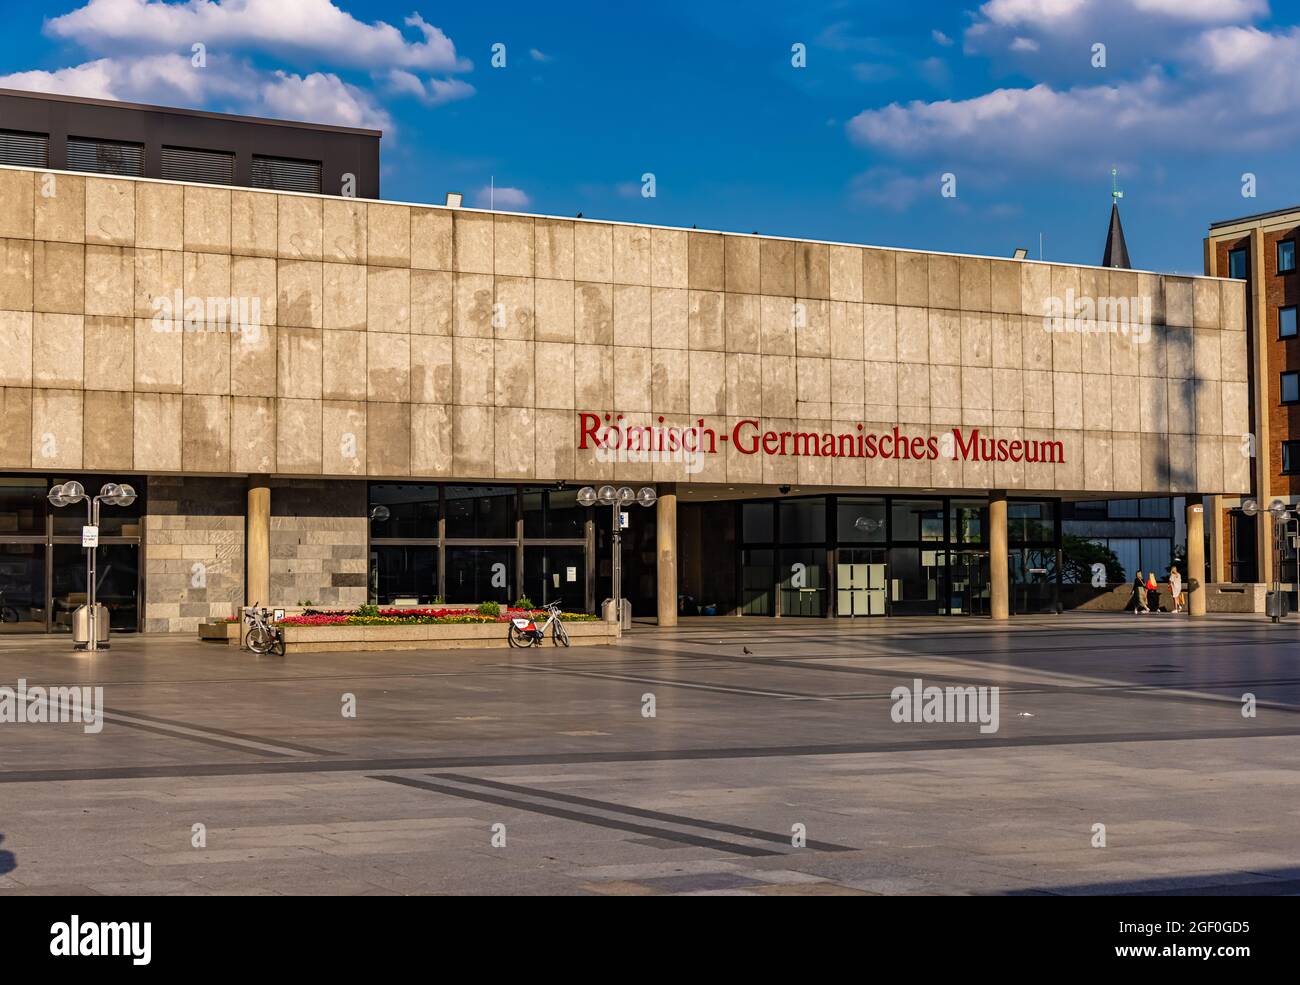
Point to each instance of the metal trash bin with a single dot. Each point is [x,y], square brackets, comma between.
[607,612]
[1277,605]
[81,626]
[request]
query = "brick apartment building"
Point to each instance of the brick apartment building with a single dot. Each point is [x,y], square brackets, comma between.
[1261,250]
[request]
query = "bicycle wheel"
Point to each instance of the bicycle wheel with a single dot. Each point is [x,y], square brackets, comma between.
[277,644]
[518,638]
[8,614]
[559,634]
[259,639]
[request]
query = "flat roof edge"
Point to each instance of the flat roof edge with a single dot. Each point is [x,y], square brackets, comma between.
[200,113]
[643,225]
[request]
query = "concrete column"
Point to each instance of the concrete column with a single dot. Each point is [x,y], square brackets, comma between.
[1215,520]
[257,584]
[999,566]
[1195,575]
[666,542]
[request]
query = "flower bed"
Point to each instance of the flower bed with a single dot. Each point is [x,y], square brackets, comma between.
[424,617]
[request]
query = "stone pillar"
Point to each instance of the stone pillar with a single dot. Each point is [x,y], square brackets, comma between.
[999,566]
[1215,520]
[257,586]
[666,541]
[1194,577]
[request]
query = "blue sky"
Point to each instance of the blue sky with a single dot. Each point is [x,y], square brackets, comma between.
[1004,95]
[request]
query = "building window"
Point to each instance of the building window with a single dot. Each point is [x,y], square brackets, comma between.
[1286,256]
[1238,264]
[209,167]
[1291,387]
[286,175]
[1291,457]
[105,157]
[1031,523]
[1286,322]
[24,150]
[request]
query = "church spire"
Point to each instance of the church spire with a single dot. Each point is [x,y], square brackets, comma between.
[1116,253]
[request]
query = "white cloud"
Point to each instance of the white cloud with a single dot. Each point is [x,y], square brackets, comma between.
[232,86]
[432,91]
[1024,44]
[538,55]
[305,29]
[1035,13]
[501,197]
[320,98]
[941,38]
[1204,11]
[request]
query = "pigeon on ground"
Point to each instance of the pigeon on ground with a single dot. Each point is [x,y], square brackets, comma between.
[746,649]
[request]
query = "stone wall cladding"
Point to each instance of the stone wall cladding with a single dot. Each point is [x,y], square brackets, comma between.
[194,551]
[409,341]
[318,543]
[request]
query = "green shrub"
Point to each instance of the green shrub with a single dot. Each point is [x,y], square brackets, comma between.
[492,609]
[369,610]
[524,602]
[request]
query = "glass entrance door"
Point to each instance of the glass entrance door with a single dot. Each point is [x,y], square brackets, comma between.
[969,580]
[860,582]
[43,565]
[1033,580]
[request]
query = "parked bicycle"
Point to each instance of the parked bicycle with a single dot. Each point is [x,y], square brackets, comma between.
[262,637]
[524,631]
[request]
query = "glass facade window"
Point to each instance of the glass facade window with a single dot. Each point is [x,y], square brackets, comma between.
[917,520]
[969,520]
[1238,264]
[803,521]
[916,581]
[22,506]
[1157,508]
[554,514]
[803,581]
[1286,256]
[552,573]
[1286,326]
[22,588]
[117,572]
[1290,387]
[480,512]
[757,523]
[480,574]
[406,512]
[860,521]
[757,580]
[1031,523]
[403,571]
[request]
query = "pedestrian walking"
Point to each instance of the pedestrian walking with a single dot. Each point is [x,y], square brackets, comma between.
[1153,592]
[1176,588]
[1140,595]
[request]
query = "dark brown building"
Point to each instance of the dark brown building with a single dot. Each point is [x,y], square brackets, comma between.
[67,133]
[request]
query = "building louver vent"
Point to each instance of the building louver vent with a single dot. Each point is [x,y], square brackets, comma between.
[24,150]
[286,175]
[105,157]
[209,167]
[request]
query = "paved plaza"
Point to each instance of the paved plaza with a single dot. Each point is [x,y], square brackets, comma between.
[722,756]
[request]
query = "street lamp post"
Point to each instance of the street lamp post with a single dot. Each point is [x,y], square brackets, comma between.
[1286,523]
[616,499]
[112,493]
